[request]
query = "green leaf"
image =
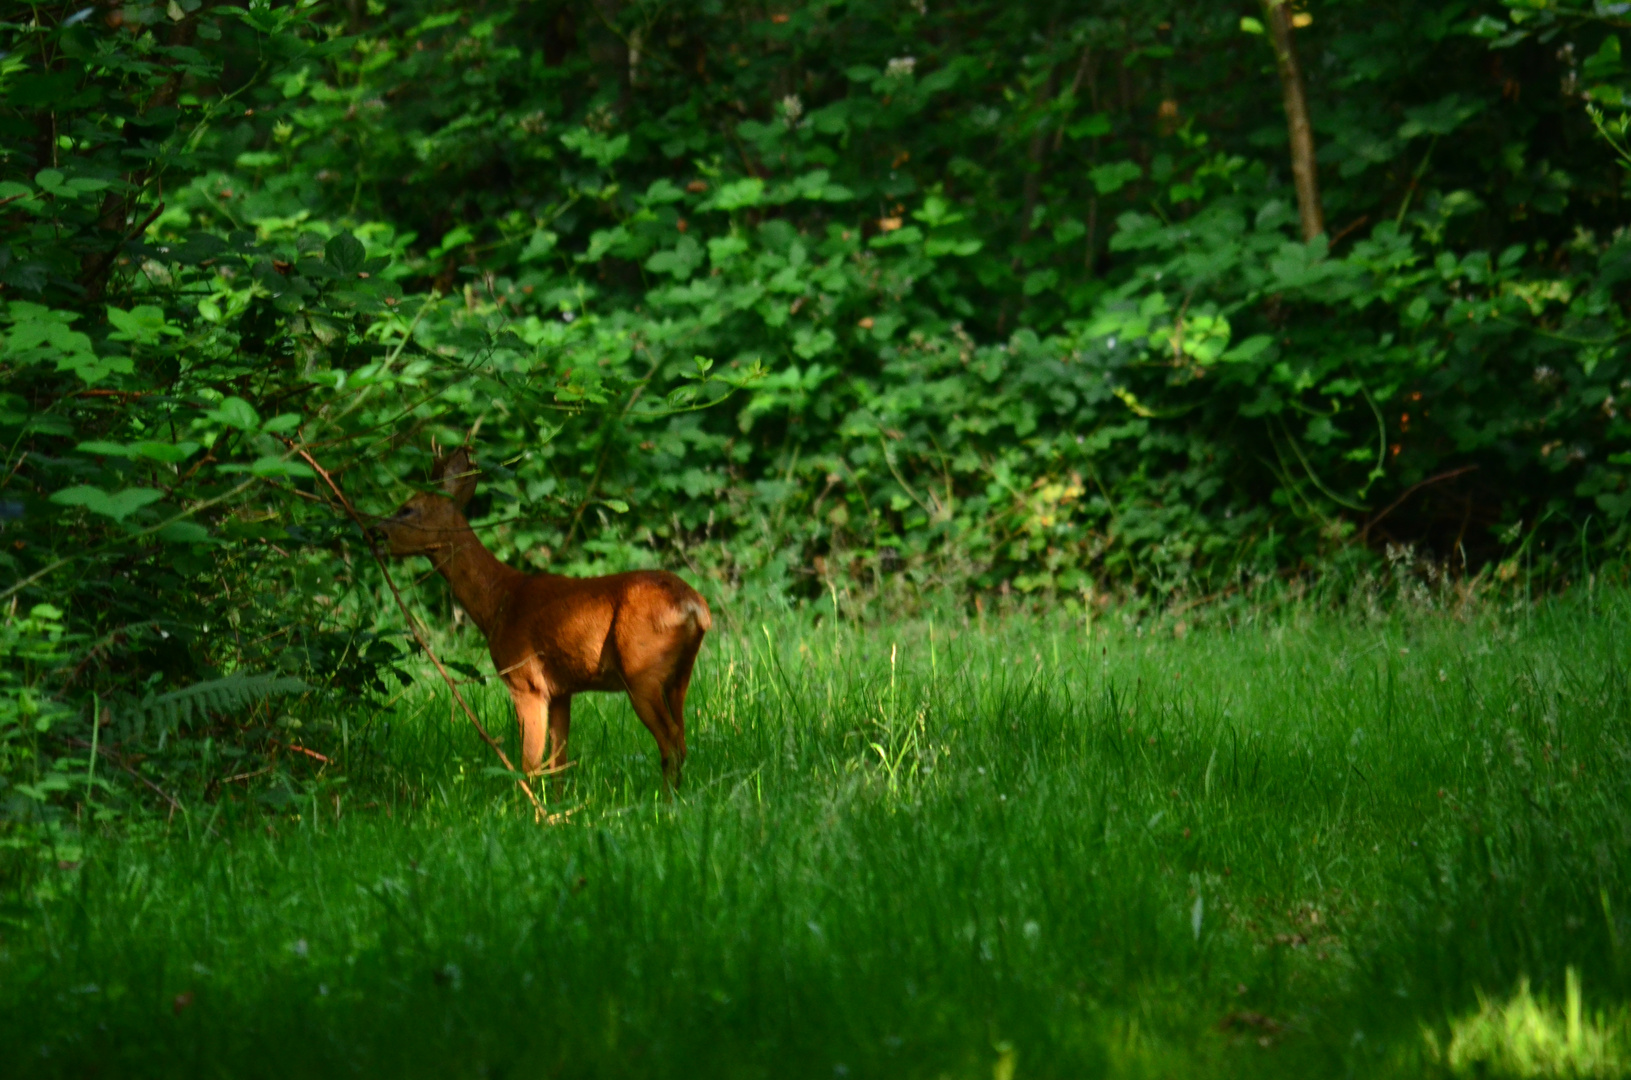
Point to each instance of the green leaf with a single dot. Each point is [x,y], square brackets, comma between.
[596,147]
[1250,25]
[737,195]
[1108,179]
[662,191]
[105,449]
[169,453]
[679,261]
[92,368]
[909,234]
[722,249]
[1441,117]
[541,244]
[1039,281]
[1302,266]
[320,271]
[810,344]
[236,412]
[617,505]
[37,326]
[143,324]
[282,422]
[457,236]
[272,466]
[117,506]
[1605,62]
[1091,126]
[1249,349]
[49,180]
[603,241]
[345,253]
[42,335]
[937,246]
[184,532]
[937,213]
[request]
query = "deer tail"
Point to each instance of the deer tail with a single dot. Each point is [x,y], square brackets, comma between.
[696,609]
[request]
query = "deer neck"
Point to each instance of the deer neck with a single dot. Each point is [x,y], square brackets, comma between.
[482,585]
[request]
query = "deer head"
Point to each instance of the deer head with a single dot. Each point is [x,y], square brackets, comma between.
[432,520]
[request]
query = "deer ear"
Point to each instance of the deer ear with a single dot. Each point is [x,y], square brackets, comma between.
[457,475]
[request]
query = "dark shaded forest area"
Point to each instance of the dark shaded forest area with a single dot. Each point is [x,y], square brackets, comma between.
[850,303]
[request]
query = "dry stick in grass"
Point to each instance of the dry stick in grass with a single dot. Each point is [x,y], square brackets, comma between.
[114,759]
[413,627]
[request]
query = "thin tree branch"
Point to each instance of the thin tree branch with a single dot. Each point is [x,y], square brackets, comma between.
[1411,490]
[413,628]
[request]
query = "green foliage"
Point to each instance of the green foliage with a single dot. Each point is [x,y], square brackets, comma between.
[850,300]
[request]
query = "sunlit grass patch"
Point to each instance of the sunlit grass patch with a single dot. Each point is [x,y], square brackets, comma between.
[1525,1036]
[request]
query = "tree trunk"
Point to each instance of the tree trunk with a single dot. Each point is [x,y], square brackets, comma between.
[1037,154]
[1304,172]
[118,210]
[1036,157]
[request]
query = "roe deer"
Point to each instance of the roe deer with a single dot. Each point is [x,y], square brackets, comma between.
[552,636]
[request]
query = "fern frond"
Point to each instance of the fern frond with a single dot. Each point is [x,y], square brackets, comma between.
[233,693]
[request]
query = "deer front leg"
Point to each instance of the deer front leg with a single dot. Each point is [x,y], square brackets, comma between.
[560,723]
[530,706]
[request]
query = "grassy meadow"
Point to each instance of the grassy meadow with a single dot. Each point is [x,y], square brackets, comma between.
[1283,844]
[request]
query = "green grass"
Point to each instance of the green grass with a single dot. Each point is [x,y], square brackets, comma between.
[1290,846]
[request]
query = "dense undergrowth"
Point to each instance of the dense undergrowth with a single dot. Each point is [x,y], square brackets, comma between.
[1273,845]
[900,306]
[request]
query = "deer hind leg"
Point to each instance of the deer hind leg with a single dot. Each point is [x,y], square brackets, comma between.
[530,707]
[674,690]
[646,694]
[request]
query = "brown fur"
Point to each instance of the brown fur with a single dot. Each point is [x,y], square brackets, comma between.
[552,636]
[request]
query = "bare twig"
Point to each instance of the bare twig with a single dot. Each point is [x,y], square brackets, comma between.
[115,759]
[605,452]
[1411,490]
[298,749]
[901,480]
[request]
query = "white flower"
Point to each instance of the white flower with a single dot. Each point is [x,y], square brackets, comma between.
[792,109]
[901,65]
